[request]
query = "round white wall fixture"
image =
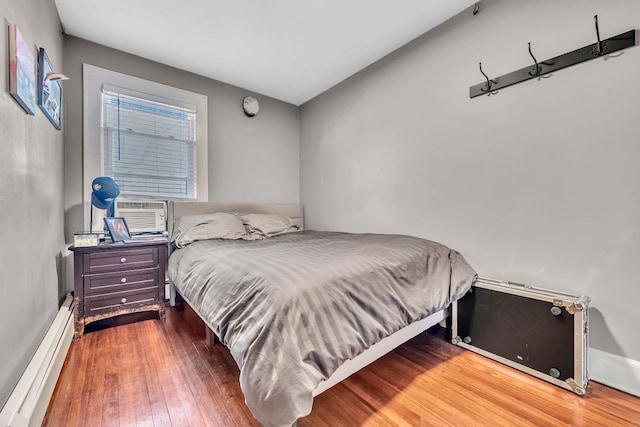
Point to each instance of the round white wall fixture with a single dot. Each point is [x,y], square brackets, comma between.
[250,106]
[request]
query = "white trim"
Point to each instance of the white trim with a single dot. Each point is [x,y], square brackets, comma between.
[27,404]
[615,371]
[94,79]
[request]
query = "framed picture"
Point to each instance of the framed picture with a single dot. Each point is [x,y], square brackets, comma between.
[49,91]
[118,229]
[21,71]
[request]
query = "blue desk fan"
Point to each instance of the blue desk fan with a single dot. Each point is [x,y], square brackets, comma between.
[104,191]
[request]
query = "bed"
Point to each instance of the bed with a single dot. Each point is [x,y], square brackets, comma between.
[303,310]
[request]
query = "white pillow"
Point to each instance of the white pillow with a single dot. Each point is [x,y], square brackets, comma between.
[268,225]
[219,225]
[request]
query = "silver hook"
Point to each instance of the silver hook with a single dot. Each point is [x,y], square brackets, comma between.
[476,8]
[538,69]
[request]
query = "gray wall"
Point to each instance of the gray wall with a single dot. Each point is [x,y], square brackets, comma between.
[250,159]
[537,184]
[31,202]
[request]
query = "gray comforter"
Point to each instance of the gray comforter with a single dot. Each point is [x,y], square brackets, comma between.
[292,308]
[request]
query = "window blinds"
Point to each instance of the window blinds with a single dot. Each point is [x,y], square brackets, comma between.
[149,147]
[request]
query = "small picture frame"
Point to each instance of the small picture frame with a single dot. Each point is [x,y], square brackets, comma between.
[49,91]
[118,229]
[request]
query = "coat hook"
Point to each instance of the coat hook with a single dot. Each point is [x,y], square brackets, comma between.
[538,68]
[488,89]
[600,47]
[476,8]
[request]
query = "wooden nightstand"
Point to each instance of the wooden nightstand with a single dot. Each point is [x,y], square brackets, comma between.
[118,278]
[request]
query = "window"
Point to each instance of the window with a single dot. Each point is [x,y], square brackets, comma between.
[150,137]
[149,147]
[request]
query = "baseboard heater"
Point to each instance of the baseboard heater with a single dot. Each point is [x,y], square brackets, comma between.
[27,404]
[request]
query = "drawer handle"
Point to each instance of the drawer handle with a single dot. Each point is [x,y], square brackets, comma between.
[123,259]
[123,300]
[123,280]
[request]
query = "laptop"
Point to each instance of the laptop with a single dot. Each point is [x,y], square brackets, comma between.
[119,232]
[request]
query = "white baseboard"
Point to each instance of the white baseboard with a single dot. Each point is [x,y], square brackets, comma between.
[615,371]
[27,404]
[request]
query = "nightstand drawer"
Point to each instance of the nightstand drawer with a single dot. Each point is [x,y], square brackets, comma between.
[116,301]
[113,282]
[98,262]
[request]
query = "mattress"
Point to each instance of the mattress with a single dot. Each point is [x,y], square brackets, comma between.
[293,308]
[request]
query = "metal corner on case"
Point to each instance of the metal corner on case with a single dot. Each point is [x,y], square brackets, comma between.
[575,387]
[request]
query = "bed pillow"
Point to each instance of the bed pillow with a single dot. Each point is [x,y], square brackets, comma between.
[219,225]
[267,225]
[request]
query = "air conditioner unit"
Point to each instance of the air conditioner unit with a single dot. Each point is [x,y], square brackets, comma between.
[143,215]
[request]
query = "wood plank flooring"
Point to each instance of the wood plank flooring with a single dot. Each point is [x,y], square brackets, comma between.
[161,373]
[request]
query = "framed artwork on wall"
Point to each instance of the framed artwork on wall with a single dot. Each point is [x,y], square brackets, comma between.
[21,71]
[49,90]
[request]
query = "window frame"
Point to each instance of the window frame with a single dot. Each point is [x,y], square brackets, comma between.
[95,79]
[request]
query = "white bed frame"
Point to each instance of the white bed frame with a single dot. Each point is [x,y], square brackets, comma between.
[295,212]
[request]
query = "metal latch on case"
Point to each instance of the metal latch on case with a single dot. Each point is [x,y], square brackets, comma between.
[574,308]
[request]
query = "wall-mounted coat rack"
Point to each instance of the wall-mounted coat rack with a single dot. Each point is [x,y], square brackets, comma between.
[598,49]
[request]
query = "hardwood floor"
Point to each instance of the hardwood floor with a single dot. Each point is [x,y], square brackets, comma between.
[161,373]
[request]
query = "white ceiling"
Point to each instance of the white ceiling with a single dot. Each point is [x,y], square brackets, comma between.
[291,50]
